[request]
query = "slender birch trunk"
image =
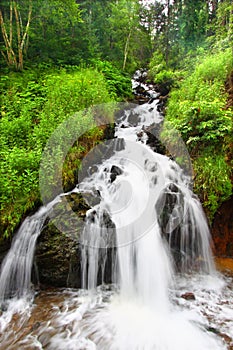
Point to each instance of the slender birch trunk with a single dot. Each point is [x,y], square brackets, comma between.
[14,55]
[126,50]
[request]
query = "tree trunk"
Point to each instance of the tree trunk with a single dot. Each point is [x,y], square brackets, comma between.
[14,56]
[231,29]
[126,50]
[9,57]
[167,33]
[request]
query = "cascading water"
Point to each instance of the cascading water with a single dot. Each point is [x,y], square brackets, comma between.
[137,203]
[147,224]
[15,277]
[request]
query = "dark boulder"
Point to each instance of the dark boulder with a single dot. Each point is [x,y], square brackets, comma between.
[4,247]
[57,260]
[115,171]
[153,140]
[58,253]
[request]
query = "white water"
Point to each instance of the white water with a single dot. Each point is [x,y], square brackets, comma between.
[141,316]
[15,273]
[136,201]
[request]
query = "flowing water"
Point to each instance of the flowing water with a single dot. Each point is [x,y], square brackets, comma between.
[149,238]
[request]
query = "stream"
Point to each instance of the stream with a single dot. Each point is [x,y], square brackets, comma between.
[148,275]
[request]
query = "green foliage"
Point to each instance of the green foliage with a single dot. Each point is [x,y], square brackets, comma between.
[163,76]
[215,67]
[130,42]
[198,110]
[157,64]
[222,37]
[192,22]
[76,32]
[119,83]
[166,77]
[213,182]
[68,93]
[33,105]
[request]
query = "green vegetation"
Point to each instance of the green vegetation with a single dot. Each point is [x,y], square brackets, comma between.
[33,104]
[197,108]
[196,65]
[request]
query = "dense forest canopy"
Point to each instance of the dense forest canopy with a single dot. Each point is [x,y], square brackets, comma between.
[86,51]
[124,32]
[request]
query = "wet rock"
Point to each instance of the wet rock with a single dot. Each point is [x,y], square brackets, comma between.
[225,265]
[140,75]
[153,139]
[140,135]
[140,90]
[54,258]
[58,252]
[92,198]
[213,330]
[79,202]
[107,250]
[57,256]
[133,118]
[162,103]
[188,296]
[152,100]
[222,230]
[107,221]
[141,99]
[4,247]
[123,126]
[45,338]
[144,93]
[104,219]
[109,131]
[115,171]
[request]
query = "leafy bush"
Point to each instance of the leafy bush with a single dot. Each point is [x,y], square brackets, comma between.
[197,107]
[68,93]
[119,83]
[198,110]
[157,64]
[164,77]
[213,182]
[34,104]
[215,67]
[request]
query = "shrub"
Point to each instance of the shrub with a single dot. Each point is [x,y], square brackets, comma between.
[198,110]
[213,182]
[119,83]
[34,103]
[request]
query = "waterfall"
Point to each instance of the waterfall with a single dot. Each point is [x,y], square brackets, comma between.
[147,216]
[158,221]
[15,274]
[147,226]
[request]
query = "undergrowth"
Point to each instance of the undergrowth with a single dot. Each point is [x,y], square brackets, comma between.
[197,108]
[33,104]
